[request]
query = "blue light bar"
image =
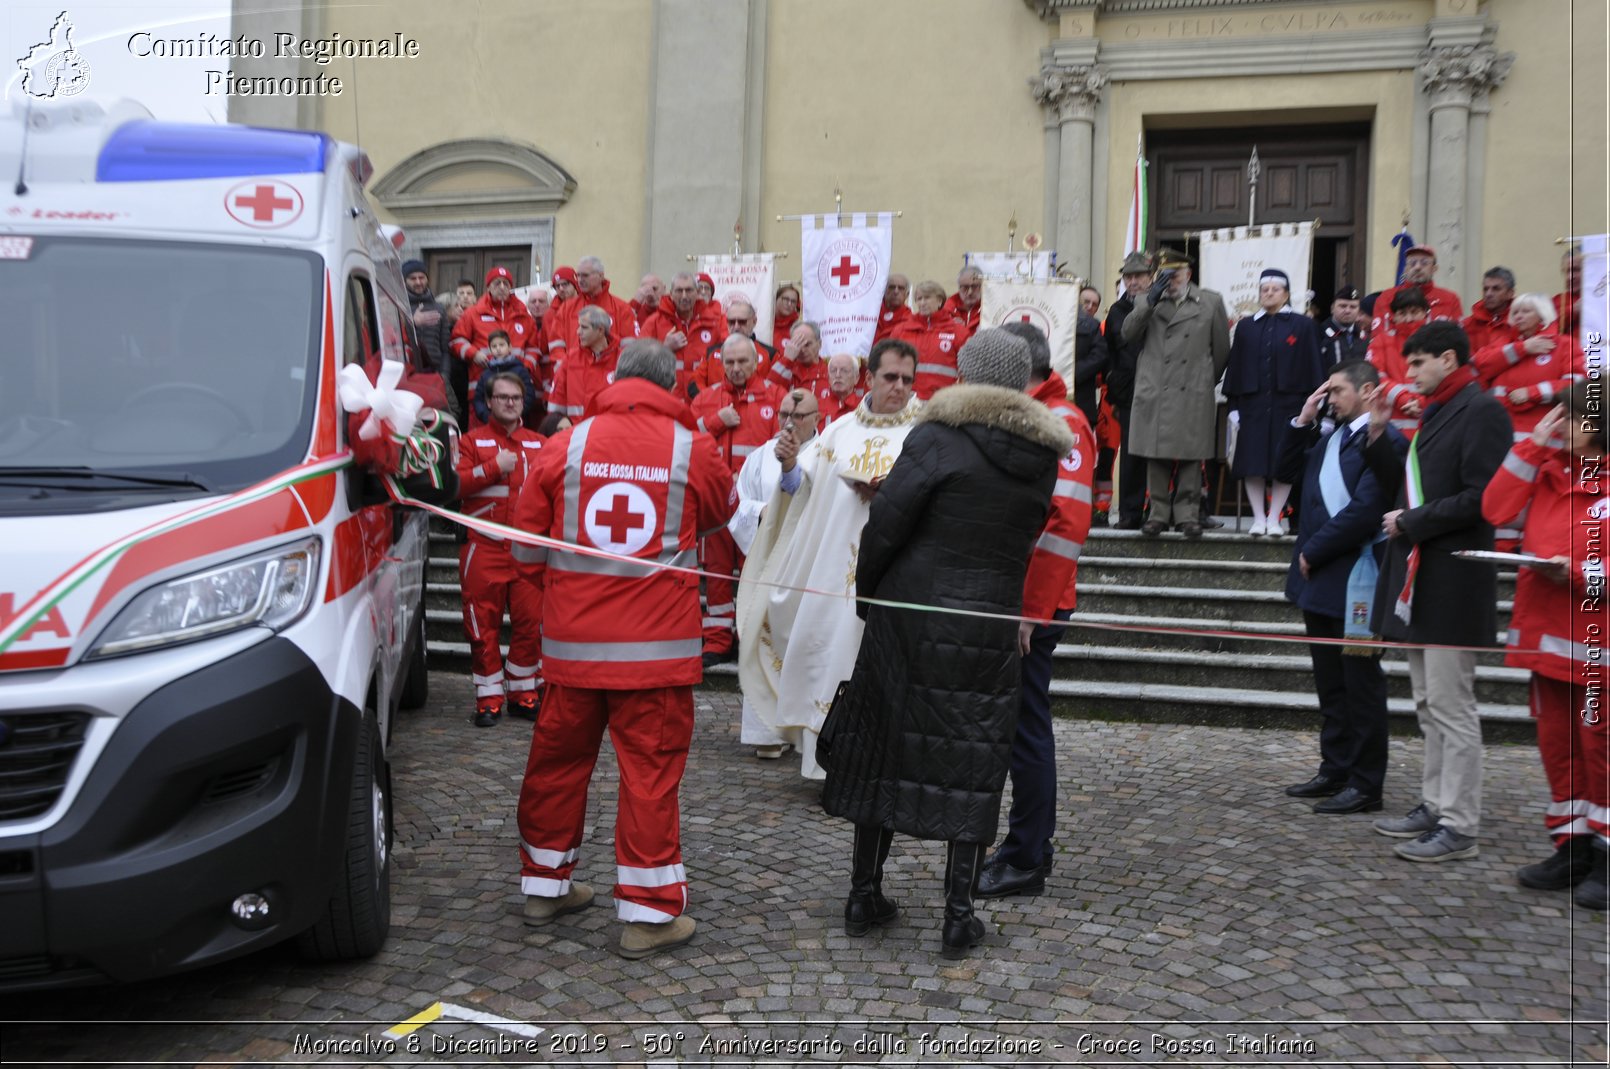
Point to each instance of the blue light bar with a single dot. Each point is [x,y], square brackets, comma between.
[143,151]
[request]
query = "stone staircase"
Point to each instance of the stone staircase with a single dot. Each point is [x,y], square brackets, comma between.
[1223,581]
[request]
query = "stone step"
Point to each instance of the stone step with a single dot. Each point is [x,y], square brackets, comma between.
[1201,603]
[1144,637]
[1220,574]
[1214,545]
[1169,703]
[1289,671]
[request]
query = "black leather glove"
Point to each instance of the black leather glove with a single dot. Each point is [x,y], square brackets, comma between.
[1160,286]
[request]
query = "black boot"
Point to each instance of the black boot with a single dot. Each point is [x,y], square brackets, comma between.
[866,905]
[1567,867]
[963,930]
[1594,892]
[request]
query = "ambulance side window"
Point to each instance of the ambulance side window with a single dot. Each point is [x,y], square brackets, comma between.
[359,337]
[393,330]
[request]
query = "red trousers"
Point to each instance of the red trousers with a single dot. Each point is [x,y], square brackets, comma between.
[1576,758]
[491,586]
[650,730]
[721,595]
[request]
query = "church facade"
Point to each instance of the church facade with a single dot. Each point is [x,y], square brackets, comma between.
[643,131]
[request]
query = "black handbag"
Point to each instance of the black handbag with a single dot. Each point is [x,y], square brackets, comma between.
[832,724]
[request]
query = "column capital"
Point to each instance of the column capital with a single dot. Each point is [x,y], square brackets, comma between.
[1070,91]
[1462,74]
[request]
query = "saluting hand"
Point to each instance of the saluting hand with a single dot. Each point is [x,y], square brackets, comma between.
[1311,406]
[1380,413]
[506,461]
[729,416]
[1548,426]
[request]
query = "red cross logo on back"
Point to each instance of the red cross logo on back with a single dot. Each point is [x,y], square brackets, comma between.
[620,518]
[263,205]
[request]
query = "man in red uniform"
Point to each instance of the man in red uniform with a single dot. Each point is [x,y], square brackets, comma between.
[589,367]
[1419,268]
[1385,354]
[1023,860]
[1557,630]
[937,335]
[498,309]
[740,414]
[846,385]
[1488,322]
[620,644]
[894,310]
[649,291]
[800,367]
[592,291]
[687,325]
[741,319]
[1568,302]
[967,304]
[494,462]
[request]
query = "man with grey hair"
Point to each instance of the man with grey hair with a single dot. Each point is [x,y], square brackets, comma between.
[592,290]
[647,298]
[1488,322]
[622,638]
[967,304]
[800,366]
[895,310]
[689,327]
[846,385]
[589,367]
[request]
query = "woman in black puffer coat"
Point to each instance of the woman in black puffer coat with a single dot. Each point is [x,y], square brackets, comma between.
[922,737]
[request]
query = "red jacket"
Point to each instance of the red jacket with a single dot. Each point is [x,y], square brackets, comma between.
[642,483]
[1484,329]
[1565,306]
[1504,368]
[582,375]
[561,318]
[888,319]
[830,405]
[1386,353]
[781,327]
[475,326]
[485,492]
[937,339]
[1564,501]
[791,376]
[1444,304]
[953,307]
[704,328]
[757,403]
[1054,564]
[710,371]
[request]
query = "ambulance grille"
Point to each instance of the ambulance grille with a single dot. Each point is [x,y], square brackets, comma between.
[37,751]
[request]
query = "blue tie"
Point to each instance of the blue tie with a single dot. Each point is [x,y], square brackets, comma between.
[1346,432]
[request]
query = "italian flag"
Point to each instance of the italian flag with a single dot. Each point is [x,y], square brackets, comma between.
[1135,235]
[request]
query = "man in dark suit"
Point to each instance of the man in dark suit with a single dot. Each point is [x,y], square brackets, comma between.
[1137,275]
[1333,583]
[1426,595]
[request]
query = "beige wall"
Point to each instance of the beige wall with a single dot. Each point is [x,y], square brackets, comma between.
[1546,137]
[1390,94]
[920,106]
[569,78]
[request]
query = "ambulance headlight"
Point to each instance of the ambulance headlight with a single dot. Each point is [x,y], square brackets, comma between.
[270,589]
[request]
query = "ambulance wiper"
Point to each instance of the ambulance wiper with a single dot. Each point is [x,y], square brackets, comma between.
[164,479]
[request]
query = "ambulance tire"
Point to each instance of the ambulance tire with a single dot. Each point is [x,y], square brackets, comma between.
[416,677]
[358,918]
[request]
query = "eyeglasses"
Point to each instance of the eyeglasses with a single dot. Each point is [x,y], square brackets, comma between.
[786,297]
[508,397]
[738,322]
[800,415]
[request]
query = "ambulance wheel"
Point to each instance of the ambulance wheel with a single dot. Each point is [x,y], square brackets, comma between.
[416,678]
[358,917]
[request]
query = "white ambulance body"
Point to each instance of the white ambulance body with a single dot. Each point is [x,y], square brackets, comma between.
[193,733]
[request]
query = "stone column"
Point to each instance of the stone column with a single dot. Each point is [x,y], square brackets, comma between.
[1452,79]
[1071,93]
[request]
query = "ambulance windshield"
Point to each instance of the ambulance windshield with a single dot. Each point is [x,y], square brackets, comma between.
[173,360]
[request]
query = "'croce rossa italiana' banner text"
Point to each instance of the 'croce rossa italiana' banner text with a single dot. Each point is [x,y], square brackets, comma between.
[1051,306]
[751,277]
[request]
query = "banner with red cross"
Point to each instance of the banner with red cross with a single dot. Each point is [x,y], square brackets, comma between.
[1051,306]
[844,270]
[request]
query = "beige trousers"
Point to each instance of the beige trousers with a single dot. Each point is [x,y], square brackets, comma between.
[1444,684]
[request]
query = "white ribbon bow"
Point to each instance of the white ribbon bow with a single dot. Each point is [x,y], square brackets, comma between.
[386,405]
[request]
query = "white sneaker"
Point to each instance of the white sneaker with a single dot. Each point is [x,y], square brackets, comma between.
[1259,529]
[1279,528]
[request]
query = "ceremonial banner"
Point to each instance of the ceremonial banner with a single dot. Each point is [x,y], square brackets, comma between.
[750,276]
[1232,260]
[1051,306]
[1595,313]
[843,272]
[1013,266]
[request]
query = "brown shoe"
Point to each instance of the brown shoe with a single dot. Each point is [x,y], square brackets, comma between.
[1153,528]
[540,909]
[639,940]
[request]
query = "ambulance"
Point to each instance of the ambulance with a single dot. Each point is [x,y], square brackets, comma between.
[209,614]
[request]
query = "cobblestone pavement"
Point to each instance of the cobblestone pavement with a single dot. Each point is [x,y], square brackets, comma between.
[1196,915]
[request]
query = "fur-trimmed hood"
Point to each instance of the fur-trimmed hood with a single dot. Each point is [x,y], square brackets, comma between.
[996,406]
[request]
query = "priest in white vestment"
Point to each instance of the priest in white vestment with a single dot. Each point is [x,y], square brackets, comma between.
[757,481]
[796,648]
